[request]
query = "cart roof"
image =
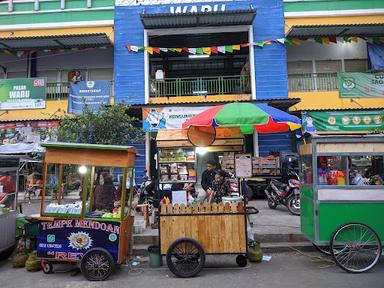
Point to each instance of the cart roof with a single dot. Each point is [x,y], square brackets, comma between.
[89,146]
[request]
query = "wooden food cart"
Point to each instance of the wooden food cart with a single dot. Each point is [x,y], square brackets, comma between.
[92,226]
[188,233]
[342,198]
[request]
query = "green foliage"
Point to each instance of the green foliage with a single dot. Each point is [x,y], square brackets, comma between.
[109,125]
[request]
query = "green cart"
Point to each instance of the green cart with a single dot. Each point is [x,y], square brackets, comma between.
[342,198]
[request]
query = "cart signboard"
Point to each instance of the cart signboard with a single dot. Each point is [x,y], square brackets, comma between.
[243,165]
[72,238]
[28,93]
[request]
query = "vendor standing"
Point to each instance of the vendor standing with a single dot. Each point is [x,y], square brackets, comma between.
[208,175]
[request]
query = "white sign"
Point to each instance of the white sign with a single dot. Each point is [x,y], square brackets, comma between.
[168,117]
[179,197]
[162,2]
[243,165]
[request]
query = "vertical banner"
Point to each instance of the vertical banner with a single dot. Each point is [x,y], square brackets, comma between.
[361,85]
[90,94]
[27,93]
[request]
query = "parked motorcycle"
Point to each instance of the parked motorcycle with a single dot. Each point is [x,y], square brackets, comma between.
[288,194]
[146,192]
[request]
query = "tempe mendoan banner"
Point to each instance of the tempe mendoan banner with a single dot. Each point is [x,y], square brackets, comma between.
[88,93]
[72,238]
[361,85]
[342,121]
[23,93]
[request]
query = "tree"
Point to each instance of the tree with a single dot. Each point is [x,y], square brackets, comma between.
[108,125]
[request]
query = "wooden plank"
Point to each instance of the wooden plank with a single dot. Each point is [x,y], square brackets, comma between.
[172,134]
[90,157]
[228,142]
[173,144]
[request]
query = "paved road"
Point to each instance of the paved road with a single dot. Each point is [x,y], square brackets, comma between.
[289,270]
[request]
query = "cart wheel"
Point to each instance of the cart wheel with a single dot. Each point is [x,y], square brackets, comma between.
[46,266]
[185,258]
[241,260]
[272,204]
[325,249]
[293,205]
[355,247]
[97,264]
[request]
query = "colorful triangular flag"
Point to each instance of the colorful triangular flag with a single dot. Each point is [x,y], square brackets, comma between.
[236,47]
[178,50]
[259,44]
[164,49]
[149,50]
[214,49]
[207,50]
[287,40]
[221,49]
[199,51]
[156,50]
[280,40]
[192,51]
[296,41]
[333,40]
[228,48]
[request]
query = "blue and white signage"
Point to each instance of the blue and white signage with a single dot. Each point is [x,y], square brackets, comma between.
[88,93]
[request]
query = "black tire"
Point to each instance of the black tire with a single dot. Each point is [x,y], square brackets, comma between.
[293,205]
[46,266]
[325,249]
[185,258]
[272,204]
[241,260]
[353,244]
[97,264]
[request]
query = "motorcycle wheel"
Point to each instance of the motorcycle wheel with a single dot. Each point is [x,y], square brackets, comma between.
[272,204]
[293,205]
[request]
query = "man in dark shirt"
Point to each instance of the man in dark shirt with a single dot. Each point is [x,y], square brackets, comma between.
[208,175]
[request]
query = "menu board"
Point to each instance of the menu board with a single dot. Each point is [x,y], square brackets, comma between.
[243,165]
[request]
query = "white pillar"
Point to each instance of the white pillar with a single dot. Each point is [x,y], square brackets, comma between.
[148,152]
[252,62]
[255,143]
[146,69]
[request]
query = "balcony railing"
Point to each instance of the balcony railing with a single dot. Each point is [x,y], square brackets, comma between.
[312,82]
[60,90]
[201,86]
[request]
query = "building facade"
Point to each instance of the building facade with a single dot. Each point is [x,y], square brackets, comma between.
[336,40]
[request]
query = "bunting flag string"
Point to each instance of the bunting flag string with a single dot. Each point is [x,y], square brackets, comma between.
[237,47]
[24,53]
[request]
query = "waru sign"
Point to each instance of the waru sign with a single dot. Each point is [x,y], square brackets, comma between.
[196,8]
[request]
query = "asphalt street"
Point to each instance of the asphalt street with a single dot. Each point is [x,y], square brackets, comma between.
[288,270]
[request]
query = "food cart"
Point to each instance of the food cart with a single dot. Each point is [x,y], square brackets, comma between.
[92,225]
[8,199]
[342,198]
[189,231]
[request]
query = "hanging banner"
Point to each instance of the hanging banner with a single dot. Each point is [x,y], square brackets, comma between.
[361,85]
[342,121]
[28,132]
[88,93]
[23,93]
[168,117]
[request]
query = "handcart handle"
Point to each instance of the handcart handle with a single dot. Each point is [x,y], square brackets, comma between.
[251,210]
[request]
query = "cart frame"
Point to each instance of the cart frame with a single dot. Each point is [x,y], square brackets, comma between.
[90,156]
[325,209]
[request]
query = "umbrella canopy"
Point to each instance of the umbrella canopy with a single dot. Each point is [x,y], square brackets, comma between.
[248,116]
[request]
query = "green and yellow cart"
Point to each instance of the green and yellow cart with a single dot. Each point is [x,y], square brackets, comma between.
[342,198]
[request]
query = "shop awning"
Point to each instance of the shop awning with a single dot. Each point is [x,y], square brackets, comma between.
[179,20]
[55,42]
[367,30]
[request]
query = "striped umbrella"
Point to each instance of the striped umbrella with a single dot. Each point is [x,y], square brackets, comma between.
[248,116]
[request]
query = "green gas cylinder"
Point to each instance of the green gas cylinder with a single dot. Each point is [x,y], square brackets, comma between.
[255,252]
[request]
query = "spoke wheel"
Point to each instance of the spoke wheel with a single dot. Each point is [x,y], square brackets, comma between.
[355,247]
[325,249]
[272,204]
[97,264]
[293,205]
[185,258]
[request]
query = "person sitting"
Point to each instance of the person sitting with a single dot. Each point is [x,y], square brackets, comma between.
[220,187]
[105,193]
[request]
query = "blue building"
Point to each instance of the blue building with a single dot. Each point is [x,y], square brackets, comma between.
[176,58]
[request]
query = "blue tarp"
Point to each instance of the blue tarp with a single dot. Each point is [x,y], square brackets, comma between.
[376,56]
